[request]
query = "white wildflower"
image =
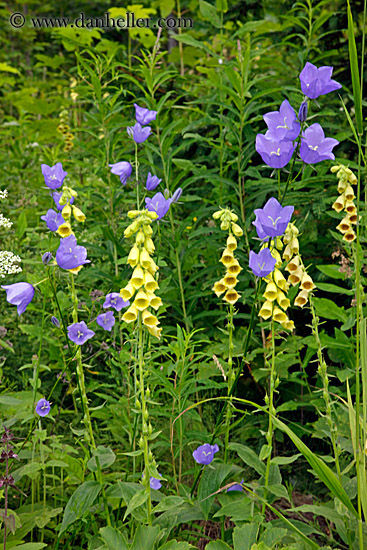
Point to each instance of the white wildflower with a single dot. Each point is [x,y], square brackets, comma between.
[3,194]
[5,222]
[9,263]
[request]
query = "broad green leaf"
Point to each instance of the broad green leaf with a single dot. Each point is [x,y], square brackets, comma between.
[244,537]
[30,546]
[222,5]
[105,456]
[79,503]
[210,482]
[167,503]
[273,535]
[329,310]
[138,500]
[331,271]
[249,457]
[7,68]
[113,539]
[209,13]
[217,545]
[334,288]
[285,459]
[145,537]
[174,545]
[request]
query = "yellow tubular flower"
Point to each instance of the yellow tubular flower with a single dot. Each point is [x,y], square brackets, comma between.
[150,283]
[295,277]
[140,237]
[141,300]
[279,315]
[219,287]
[133,213]
[352,218]
[231,296]
[236,229]
[266,310]
[66,212]
[224,225]
[231,243]
[217,214]
[145,259]
[149,245]
[152,215]
[227,257]
[287,254]
[155,331]
[148,231]
[283,300]
[288,325]
[301,299]
[137,278]
[338,205]
[64,230]
[78,214]
[127,292]
[153,268]
[293,265]
[133,258]
[234,217]
[342,185]
[344,225]
[350,207]
[350,236]
[349,193]
[149,320]
[130,314]
[294,245]
[352,179]
[75,269]
[307,283]
[229,280]
[280,280]
[335,168]
[271,292]
[277,257]
[154,301]
[234,268]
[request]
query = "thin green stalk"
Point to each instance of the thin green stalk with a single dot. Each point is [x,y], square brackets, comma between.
[44,474]
[36,374]
[180,45]
[137,176]
[230,378]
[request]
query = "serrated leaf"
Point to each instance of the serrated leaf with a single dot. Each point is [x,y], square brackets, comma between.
[79,503]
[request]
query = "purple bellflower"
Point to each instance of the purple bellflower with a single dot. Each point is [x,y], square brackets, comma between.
[55,321]
[315,147]
[317,81]
[106,320]
[114,300]
[43,407]
[274,153]
[158,204]
[177,194]
[273,218]
[46,258]
[204,454]
[303,110]
[70,255]
[57,196]
[236,487]
[155,483]
[122,169]
[152,182]
[54,175]
[53,219]
[20,295]
[79,333]
[138,133]
[262,263]
[283,124]
[144,116]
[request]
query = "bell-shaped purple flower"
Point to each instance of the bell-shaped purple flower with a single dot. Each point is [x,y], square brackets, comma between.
[79,333]
[113,299]
[70,255]
[43,407]
[303,110]
[152,182]
[273,218]
[54,175]
[57,196]
[144,116]
[106,320]
[262,263]
[274,153]
[122,169]
[315,147]
[205,453]
[177,194]
[155,483]
[138,133]
[20,295]
[283,124]
[236,487]
[317,81]
[53,219]
[158,204]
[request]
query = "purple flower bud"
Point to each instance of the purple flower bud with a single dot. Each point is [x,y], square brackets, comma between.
[46,258]
[302,113]
[55,321]
[177,194]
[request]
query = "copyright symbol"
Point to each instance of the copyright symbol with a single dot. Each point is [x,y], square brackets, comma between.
[17,20]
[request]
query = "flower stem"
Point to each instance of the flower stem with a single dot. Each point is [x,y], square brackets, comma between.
[230,378]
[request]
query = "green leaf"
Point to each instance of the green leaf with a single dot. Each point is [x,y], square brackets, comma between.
[138,500]
[244,537]
[167,503]
[105,456]
[239,510]
[210,482]
[7,68]
[145,537]
[353,58]
[21,225]
[6,346]
[285,459]
[334,288]
[249,457]
[222,5]
[174,545]
[113,538]
[273,535]
[331,271]
[217,545]
[329,310]
[209,13]
[79,503]
[30,546]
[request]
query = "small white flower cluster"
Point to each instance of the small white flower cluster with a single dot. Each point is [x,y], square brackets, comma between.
[9,262]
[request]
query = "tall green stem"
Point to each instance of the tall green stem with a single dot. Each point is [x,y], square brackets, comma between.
[230,378]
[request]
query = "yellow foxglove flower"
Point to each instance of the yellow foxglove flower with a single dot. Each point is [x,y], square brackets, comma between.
[352,218]
[150,283]
[64,230]
[350,207]
[307,283]
[130,314]
[294,245]
[127,292]
[229,280]
[227,257]
[151,214]
[352,179]
[335,168]
[219,287]
[280,280]
[75,269]
[342,185]
[234,268]
[145,259]
[278,243]
[133,258]
[277,257]
[66,212]
[293,264]
[149,245]
[140,237]
[155,331]
[287,254]
[338,205]
[283,300]
[153,268]
[296,276]
[344,225]
[301,299]
[236,229]
[279,315]
[141,300]
[149,320]
[288,325]
[271,292]
[217,214]
[137,278]
[154,301]
[234,218]
[350,236]
[349,193]
[231,243]
[266,310]
[231,296]
[224,225]
[133,214]
[131,229]
[78,214]
[148,231]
